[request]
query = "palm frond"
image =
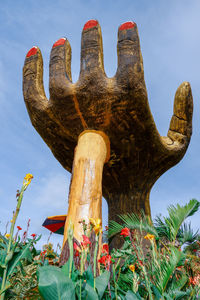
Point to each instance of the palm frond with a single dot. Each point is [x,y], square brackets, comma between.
[162,227]
[114,228]
[132,221]
[177,285]
[177,294]
[125,280]
[186,235]
[169,227]
[178,214]
[168,266]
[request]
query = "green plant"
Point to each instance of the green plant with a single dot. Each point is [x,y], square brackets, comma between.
[158,260]
[11,253]
[69,282]
[161,269]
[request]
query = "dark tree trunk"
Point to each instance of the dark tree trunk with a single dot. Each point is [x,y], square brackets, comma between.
[124,203]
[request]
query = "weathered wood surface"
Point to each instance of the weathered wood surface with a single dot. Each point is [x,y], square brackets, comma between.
[117,106]
[85,195]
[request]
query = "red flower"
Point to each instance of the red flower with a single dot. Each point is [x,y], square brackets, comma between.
[42,253]
[106,228]
[33,235]
[125,232]
[77,250]
[102,260]
[191,281]
[105,260]
[86,241]
[105,248]
[76,253]
[19,228]
[75,246]
[141,263]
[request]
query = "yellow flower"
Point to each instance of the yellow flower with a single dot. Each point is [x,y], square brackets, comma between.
[96,225]
[11,221]
[27,179]
[149,237]
[132,268]
[7,235]
[97,229]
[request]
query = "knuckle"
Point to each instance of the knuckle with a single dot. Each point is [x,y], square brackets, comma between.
[29,72]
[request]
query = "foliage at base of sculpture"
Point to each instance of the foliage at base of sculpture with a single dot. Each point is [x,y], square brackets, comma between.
[159,260]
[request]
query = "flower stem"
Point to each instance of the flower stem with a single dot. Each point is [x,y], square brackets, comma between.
[71,250]
[10,240]
[114,277]
[95,258]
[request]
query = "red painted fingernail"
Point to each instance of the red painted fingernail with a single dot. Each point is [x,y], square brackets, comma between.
[59,42]
[127,25]
[90,24]
[32,51]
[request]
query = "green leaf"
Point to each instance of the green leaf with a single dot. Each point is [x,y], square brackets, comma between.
[156,292]
[54,285]
[24,253]
[65,270]
[102,282]
[8,285]
[89,276]
[170,226]
[177,294]
[3,254]
[168,266]
[132,221]
[4,239]
[132,296]
[91,294]
[186,235]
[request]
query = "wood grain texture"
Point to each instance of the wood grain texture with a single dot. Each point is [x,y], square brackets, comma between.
[85,194]
[117,106]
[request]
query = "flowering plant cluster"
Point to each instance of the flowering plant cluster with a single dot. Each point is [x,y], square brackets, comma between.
[159,260]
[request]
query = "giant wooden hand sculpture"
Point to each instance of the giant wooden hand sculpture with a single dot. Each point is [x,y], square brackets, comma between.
[97,109]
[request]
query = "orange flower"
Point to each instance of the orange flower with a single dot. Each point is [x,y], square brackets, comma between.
[149,237]
[132,268]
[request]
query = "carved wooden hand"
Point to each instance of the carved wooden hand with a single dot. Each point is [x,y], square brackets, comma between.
[117,106]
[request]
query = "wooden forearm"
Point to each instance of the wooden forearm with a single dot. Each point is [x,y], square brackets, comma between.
[85,194]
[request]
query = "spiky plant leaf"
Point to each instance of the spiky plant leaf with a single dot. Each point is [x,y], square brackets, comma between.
[186,235]
[170,226]
[177,294]
[132,221]
[162,228]
[168,266]
[114,228]
[177,285]
[125,281]
[178,214]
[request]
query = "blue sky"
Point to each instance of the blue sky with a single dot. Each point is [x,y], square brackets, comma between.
[170,42]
